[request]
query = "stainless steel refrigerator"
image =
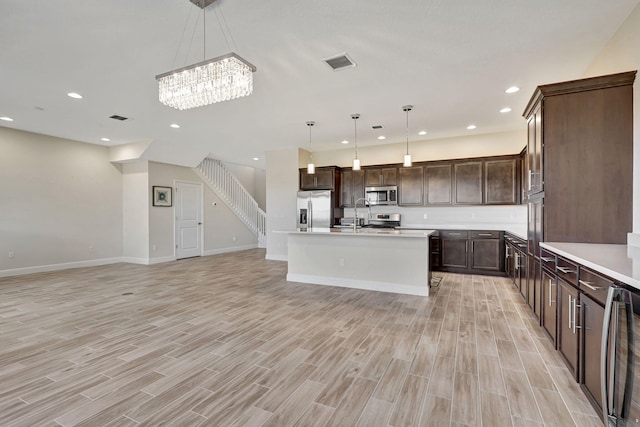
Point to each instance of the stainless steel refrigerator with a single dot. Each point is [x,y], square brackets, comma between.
[315,209]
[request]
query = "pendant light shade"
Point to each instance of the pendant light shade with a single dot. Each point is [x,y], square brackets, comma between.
[407,157]
[356,161]
[311,168]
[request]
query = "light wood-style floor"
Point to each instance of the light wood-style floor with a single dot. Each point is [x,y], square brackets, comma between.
[226,341]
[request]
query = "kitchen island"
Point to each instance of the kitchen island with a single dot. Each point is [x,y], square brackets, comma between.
[383,260]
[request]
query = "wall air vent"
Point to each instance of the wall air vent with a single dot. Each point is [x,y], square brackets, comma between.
[117,117]
[376,127]
[340,62]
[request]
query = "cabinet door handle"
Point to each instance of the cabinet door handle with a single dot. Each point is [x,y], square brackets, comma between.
[590,285]
[485,234]
[570,311]
[550,285]
[546,259]
[565,270]
[576,306]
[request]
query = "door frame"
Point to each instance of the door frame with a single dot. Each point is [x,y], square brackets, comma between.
[176,182]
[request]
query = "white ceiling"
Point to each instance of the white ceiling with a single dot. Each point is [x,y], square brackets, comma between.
[451,59]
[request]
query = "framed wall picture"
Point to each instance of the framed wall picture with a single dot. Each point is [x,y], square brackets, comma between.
[162,196]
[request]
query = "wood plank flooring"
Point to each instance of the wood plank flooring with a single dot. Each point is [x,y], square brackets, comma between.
[226,341]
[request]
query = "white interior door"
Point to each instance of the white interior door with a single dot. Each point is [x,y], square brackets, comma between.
[188,202]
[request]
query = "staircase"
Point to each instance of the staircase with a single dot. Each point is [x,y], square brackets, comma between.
[229,189]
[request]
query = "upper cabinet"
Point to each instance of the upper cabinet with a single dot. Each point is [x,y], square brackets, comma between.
[411,186]
[467,178]
[580,158]
[501,182]
[438,179]
[351,187]
[325,178]
[374,177]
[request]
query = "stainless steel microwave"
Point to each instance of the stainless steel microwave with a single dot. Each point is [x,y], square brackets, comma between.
[385,195]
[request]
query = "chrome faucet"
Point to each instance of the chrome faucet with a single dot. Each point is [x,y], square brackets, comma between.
[355,212]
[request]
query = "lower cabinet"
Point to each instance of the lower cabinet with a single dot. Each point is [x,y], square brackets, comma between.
[548,308]
[474,252]
[534,285]
[568,327]
[434,250]
[592,321]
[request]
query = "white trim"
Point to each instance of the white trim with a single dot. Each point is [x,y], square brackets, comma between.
[229,249]
[277,257]
[61,266]
[135,260]
[396,288]
[160,260]
[633,239]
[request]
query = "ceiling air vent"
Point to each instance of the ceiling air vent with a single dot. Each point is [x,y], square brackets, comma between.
[117,117]
[376,127]
[340,62]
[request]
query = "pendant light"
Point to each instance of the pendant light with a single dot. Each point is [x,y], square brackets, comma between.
[311,168]
[356,161]
[407,157]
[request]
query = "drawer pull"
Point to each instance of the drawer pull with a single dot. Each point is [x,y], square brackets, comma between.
[485,234]
[454,234]
[565,270]
[590,285]
[546,259]
[522,245]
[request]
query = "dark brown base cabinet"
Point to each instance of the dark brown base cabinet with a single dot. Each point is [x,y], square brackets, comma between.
[548,308]
[473,252]
[568,327]
[592,321]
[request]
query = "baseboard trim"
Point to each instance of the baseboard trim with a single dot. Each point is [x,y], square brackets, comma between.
[395,288]
[229,249]
[276,257]
[61,266]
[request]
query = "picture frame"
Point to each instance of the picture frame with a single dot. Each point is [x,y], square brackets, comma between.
[162,196]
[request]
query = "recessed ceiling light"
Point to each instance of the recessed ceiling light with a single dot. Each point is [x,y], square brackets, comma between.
[505,110]
[74,95]
[422,132]
[6,119]
[174,125]
[471,127]
[105,139]
[345,141]
[512,89]
[256,158]
[382,137]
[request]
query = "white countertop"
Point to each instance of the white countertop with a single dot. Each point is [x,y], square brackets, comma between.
[620,262]
[374,232]
[515,229]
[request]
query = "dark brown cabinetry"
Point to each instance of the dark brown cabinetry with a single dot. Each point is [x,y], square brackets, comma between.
[568,325]
[548,304]
[580,142]
[501,182]
[381,176]
[474,252]
[467,183]
[325,178]
[351,187]
[516,263]
[455,249]
[534,285]
[438,179]
[434,249]
[592,321]
[411,186]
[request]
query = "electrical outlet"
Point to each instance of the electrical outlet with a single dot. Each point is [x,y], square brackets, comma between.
[473,215]
[234,238]
[426,216]
[90,248]
[10,254]
[342,262]
[153,248]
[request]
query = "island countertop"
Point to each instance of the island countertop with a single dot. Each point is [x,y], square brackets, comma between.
[369,232]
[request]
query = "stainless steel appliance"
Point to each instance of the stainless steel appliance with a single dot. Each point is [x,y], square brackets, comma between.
[619,377]
[385,195]
[315,209]
[384,220]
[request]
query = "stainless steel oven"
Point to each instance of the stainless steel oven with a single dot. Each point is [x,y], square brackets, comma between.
[385,195]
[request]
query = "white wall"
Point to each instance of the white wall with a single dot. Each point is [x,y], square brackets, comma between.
[135,211]
[282,188]
[494,144]
[252,179]
[221,225]
[61,203]
[622,53]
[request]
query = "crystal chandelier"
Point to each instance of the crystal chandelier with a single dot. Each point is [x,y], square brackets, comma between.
[214,80]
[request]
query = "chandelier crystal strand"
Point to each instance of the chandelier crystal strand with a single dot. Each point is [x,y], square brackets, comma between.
[311,168]
[356,161]
[407,157]
[216,80]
